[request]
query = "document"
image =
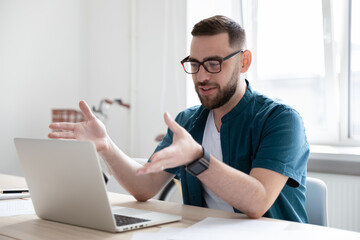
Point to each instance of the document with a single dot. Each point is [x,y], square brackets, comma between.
[231,229]
[222,228]
[16,207]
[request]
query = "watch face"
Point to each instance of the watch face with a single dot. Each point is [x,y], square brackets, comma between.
[197,168]
[199,165]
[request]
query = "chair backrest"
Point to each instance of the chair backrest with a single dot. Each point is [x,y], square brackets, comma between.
[316,201]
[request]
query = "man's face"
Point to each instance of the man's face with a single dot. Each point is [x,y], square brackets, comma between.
[215,89]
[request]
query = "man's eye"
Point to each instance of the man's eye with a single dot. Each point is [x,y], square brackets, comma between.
[194,64]
[213,64]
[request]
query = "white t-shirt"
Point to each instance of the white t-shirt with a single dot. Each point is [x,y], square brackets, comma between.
[211,142]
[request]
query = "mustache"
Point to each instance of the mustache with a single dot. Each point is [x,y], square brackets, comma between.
[206,83]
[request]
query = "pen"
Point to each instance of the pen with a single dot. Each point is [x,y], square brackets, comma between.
[7,191]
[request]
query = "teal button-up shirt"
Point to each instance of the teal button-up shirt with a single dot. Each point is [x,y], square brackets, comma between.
[257,133]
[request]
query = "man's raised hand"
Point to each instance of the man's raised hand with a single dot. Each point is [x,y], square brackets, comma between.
[92,129]
[182,151]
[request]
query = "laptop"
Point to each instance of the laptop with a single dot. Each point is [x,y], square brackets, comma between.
[66,185]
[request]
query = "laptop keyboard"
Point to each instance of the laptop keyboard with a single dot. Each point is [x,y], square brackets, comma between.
[122,220]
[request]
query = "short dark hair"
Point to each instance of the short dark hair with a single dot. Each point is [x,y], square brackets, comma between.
[221,24]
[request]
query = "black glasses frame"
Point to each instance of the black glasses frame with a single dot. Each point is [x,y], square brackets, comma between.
[220,60]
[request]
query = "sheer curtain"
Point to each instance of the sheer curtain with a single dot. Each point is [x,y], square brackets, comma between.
[158,40]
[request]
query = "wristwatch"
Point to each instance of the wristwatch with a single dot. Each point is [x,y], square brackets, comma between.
[199,165]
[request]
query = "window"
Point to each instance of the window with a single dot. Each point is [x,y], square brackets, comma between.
[306,53]
[294,62]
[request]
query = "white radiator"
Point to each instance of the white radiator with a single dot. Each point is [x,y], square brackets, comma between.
[343,200]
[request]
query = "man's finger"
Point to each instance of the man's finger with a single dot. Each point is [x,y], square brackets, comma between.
[62,126]
[165,153]
[85,109]
[65,135]
[174,126]
[151,168]
[147,168]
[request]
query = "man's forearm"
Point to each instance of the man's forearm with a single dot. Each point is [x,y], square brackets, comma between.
[242,191]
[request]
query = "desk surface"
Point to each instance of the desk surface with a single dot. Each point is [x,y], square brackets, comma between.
[31,227]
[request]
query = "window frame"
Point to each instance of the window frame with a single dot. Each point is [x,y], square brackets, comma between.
[346,78]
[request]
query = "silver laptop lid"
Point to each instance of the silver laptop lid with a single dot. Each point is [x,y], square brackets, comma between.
[66,185]
[59,174]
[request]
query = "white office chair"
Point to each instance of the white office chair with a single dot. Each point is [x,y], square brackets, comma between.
[316,201]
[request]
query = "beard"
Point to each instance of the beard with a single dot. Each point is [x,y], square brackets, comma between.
[223,96]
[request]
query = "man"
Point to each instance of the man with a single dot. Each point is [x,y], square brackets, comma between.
[239,151]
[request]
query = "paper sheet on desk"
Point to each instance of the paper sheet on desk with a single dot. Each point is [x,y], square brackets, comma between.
[221,228]
[16,207]
[231,229]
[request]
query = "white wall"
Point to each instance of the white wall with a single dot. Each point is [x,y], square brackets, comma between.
[54,53]
[41,67]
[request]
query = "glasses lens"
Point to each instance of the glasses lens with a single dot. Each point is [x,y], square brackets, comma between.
[212,66]
[191,67]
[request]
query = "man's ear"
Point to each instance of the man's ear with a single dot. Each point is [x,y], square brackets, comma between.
[246,62]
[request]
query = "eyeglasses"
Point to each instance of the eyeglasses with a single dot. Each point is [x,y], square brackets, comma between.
[212,65]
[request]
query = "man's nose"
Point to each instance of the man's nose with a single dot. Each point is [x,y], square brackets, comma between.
[202,74]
